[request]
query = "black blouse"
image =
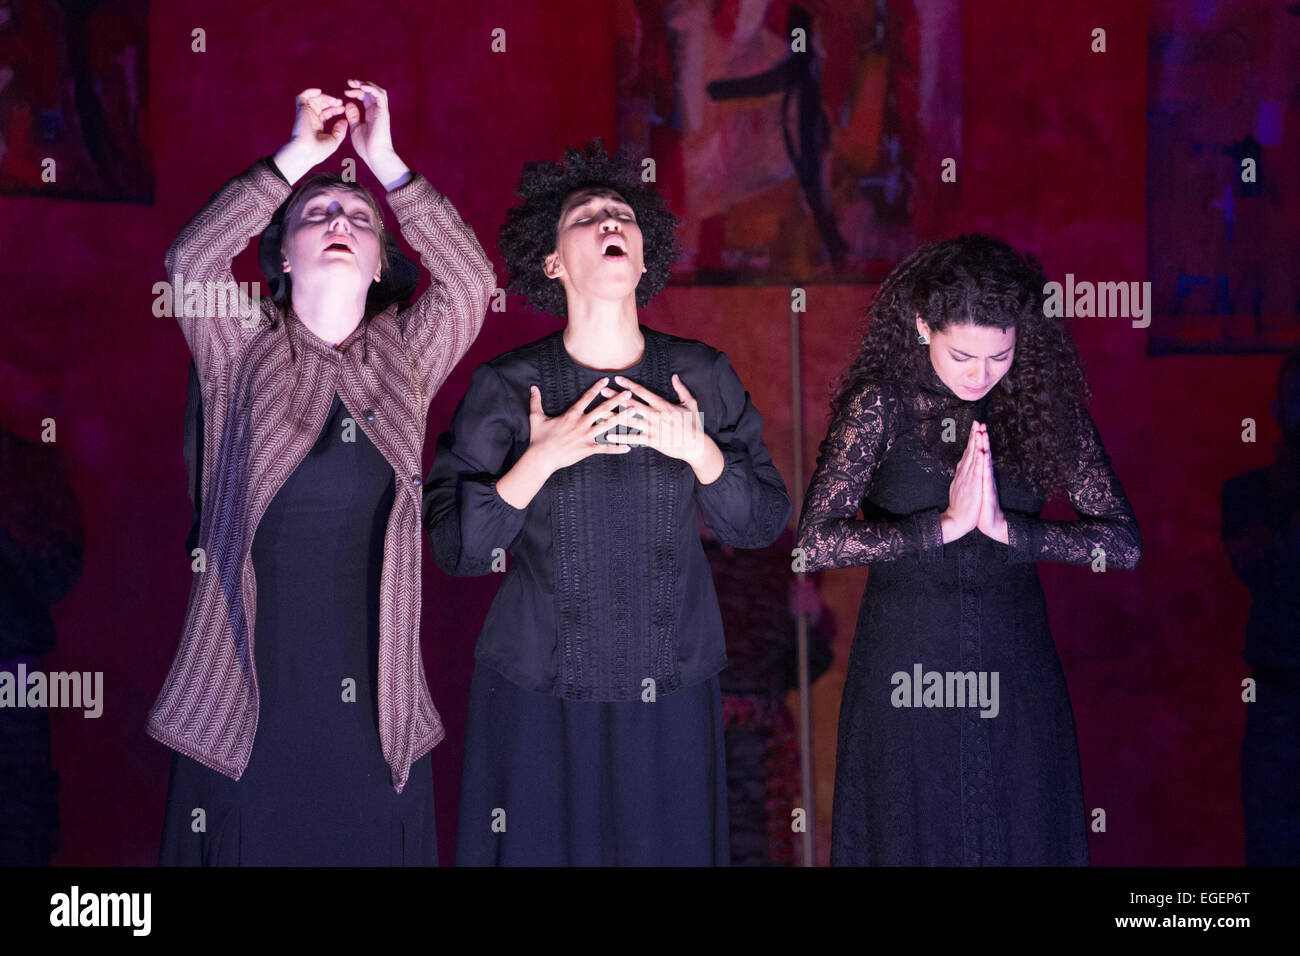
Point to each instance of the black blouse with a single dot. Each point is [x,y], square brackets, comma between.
[609,586]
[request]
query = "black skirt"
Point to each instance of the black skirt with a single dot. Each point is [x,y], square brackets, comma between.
[946,785]
[317,790]
[554,782]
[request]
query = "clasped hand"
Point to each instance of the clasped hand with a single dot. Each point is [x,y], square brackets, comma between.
[316,138]
[973,494]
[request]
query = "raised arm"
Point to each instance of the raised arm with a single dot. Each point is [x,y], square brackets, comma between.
[830,533]
[1105,519]
[747,505]
[442,324]
[237,212]
[465,517]
[202,254]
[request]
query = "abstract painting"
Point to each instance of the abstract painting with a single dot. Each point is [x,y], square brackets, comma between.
[73,85]
[1223,201]
[790,135]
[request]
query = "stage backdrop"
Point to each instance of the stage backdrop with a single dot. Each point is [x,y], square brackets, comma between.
[1052,155]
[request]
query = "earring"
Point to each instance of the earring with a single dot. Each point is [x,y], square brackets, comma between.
[922,339]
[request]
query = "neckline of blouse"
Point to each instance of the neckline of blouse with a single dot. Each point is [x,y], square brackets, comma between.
[564,351]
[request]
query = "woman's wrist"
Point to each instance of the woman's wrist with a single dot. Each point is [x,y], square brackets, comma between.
[391,171]
[534,458]
[1000,531]
[951,530]
[709,465]
[291,161]
[518,486]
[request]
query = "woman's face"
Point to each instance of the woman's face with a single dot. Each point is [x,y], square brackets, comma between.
[334,237]
[598,250]
[970,359]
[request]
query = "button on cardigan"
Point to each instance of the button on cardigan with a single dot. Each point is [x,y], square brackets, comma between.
[267,386]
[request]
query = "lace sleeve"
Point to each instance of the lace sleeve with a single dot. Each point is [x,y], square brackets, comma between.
[830,533]
[1105,519]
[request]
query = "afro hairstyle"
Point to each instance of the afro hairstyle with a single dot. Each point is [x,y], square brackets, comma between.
[530,231]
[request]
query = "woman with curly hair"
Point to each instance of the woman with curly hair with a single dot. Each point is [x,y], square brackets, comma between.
[963,411]
[594,733]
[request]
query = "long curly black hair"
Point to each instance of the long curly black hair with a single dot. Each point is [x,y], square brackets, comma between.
[529,233]
[1037,407]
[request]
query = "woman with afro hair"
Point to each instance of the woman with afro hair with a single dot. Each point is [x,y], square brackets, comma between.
[594,733]
[960,415]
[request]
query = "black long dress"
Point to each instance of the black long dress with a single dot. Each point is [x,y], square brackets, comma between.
[317,790]
[588,782]
[993,782]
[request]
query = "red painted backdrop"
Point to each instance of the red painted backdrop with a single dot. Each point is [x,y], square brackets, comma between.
[1054,156]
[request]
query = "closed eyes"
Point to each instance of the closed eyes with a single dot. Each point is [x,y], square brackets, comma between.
[356,216]
[622,215]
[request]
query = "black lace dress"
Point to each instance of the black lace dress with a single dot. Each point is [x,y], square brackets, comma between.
[939,761]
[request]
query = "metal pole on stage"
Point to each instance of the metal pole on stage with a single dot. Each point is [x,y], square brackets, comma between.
[809,844]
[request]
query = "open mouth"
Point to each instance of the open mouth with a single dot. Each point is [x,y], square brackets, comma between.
[614,249]
[340,246]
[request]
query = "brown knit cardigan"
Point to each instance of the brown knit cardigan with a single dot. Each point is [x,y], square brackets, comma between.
[268,384]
